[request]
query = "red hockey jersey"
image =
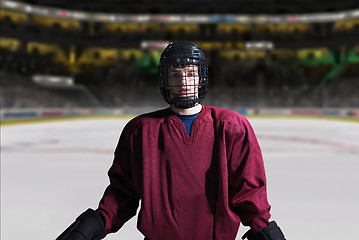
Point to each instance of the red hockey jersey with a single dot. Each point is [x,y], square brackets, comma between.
[191,187]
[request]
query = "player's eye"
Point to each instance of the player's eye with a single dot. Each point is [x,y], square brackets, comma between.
[191,74]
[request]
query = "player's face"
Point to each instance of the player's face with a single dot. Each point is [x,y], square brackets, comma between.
[183,81]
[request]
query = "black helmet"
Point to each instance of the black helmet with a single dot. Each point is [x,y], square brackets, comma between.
[183,74]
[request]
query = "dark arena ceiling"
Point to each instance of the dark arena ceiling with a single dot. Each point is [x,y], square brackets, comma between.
[202,6]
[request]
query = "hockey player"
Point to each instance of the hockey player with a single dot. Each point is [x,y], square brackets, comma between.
[198,170]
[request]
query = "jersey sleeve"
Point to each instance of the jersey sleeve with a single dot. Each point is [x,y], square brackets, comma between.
[247,180]
[121,199]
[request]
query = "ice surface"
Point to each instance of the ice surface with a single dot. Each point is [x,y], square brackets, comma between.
[52,172]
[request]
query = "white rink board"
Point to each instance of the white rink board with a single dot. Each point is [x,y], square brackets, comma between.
[52,172]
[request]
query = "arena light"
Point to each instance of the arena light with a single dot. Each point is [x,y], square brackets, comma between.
[321,17]
[163,18]
[9,4]
[50,80]
[80,15]
[156,18]
[195,18]
[355,13]
[243,19]
[154,44]
[263,45]
[41,11]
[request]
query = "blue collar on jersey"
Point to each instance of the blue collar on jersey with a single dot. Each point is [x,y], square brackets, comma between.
[187,121]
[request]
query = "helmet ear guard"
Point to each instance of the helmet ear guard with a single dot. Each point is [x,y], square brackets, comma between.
[190,84]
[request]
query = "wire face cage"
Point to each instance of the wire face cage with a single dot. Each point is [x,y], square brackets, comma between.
[183,85]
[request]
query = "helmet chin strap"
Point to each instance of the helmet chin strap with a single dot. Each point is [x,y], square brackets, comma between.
[184,102]
[187,111]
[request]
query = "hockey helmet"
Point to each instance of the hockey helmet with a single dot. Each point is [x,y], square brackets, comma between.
[183,74]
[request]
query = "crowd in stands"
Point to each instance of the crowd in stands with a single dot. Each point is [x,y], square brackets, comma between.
[233,83]
[29,64]
[98,33]
[19,91]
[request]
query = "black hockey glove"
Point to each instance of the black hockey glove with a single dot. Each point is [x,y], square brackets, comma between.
[271,232]
[88,226]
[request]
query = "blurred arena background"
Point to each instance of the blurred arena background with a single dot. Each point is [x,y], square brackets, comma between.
[66,57]
[61,59]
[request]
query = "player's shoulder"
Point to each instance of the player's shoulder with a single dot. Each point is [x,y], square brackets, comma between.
[223,114]
[150,118]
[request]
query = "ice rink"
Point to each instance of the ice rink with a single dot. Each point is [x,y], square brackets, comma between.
[51,172]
